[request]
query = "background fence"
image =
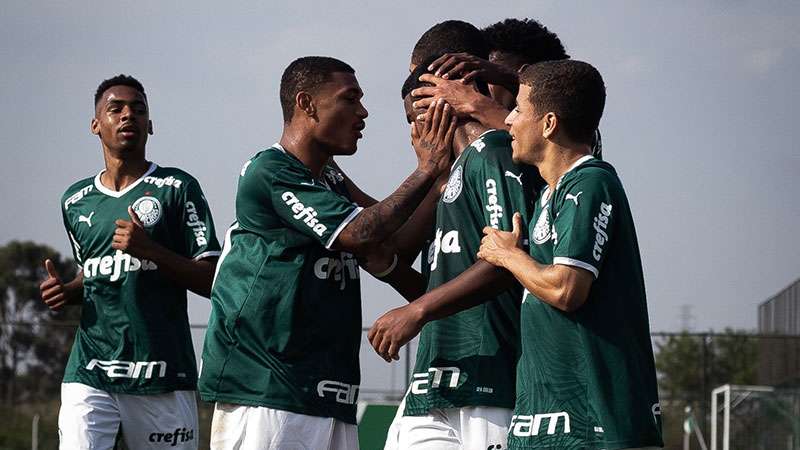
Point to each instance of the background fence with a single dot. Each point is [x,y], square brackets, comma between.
[689,366]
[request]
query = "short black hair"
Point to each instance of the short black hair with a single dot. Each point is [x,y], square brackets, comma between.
[307,74]
[573,90]
[412,82]
[527,39]
[119,80]
[450,36]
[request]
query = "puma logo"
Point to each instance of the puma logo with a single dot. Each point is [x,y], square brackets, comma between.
[516,177]
[574,197]
[88,220]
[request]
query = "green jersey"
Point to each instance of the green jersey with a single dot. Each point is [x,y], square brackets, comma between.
[134,335]
[285,325]
[469,359]
[586,379]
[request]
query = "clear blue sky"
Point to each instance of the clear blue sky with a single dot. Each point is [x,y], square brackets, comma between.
[700,120]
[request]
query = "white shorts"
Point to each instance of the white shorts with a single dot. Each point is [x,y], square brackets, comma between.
[91,419]
[468,428]
[258,428]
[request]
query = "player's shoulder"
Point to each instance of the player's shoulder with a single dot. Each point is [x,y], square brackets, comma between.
[593,172]
[78,186]
[492,147]
[594,169]
[271,162]
[76,191]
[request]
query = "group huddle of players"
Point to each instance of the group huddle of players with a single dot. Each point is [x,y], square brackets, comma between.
[530,301]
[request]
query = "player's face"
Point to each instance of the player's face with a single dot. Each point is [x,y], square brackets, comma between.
[122,119]
[340,114]
[525,129]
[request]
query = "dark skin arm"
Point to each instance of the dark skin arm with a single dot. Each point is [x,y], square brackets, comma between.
[196,276]
[466,101]
[479,283]
[409,240]
[403,278]
[468,68]
[376,223]
[56,294]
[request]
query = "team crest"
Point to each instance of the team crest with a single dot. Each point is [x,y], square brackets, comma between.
[454,185]
[541,231]
[148,209]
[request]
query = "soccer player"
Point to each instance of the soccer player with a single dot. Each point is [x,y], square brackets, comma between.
[462,393]
[143,235]
[586,377]
[514,44]
[281,352]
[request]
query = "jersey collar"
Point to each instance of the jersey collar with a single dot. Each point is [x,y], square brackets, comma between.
[577,163]
[118,194]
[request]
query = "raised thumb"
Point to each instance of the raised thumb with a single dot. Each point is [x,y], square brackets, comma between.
[51,268]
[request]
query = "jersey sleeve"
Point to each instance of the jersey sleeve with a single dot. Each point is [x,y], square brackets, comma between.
[309,207]
[73,243]
[585,221]
[500,187]
[199,236]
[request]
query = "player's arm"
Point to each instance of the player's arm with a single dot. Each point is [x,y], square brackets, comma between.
[383,264]
[561,286]
[452,66]
[478,284]
[585,222]
[465,100]
[193,264]
[195,275]
[410,238]
[57,294]
[377,223]
[497,194]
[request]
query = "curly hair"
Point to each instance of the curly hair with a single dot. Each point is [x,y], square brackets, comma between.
[119,80]
[527,39]
[450,36]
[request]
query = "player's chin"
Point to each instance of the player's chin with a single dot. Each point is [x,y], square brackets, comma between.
[515,156]
[348,148]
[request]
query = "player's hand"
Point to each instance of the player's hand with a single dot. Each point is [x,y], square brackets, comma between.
[130,236]
[462,98]
[496,245]
[52,289]
[394,329]
[434,138]
[468,68]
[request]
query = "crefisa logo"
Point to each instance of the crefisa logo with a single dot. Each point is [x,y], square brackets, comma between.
[180,435]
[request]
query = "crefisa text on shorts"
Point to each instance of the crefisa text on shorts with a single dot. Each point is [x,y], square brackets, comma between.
[180,435]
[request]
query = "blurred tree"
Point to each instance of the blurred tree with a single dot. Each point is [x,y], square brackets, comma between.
[34,342]
[690,366]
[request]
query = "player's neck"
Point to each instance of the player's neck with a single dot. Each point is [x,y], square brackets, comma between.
[122,172]
[466,133]
[559,160]
[303,147]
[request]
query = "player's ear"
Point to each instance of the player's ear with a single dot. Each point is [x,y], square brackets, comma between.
[150,127]
[305,102]
[549,125]
[94,126]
